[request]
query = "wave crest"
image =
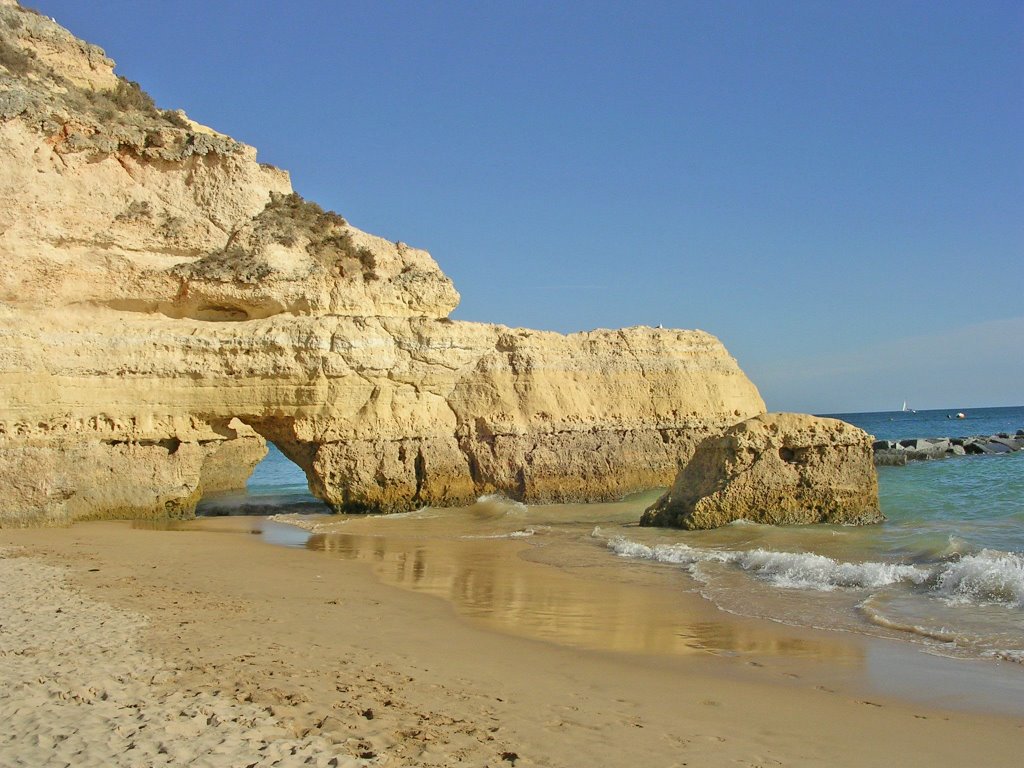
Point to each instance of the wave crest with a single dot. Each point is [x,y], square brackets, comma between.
[987,577]
[804,570]
[494,504]
[990,576]
[676,554]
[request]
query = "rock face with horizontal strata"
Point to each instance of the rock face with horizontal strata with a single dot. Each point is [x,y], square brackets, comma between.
[163,294]
[776,468]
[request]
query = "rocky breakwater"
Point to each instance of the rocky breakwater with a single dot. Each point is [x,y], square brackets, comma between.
[776,468]
[167,303]
[898,452]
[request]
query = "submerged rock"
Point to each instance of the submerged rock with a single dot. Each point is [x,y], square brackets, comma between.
[776,468]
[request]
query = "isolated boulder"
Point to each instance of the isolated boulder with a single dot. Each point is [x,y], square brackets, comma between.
[775,468]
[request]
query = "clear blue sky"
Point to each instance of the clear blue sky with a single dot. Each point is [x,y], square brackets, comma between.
[834,189]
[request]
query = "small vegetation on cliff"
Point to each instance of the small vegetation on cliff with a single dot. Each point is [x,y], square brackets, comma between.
[126,98]
[22,8]
[15,60]
[124,116]
[128,95]
[287,217]
[287,220]
[127,102]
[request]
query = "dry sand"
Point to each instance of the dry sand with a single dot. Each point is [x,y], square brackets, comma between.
[132,647]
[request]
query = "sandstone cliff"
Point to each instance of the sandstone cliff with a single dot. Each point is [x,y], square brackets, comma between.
[162,293]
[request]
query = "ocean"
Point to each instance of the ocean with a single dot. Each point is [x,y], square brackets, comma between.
[945,572]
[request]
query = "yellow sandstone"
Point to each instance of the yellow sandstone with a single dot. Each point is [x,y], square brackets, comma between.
[163,294]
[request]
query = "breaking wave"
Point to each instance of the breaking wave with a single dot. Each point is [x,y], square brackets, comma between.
[987,577]
[802,570]
[496,504]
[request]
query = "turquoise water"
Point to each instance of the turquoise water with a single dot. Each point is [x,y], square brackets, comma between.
[946,571]
[976,499]
[276,485]
[970,502]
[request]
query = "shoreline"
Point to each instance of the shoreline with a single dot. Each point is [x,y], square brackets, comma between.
[319,641]
[533,584]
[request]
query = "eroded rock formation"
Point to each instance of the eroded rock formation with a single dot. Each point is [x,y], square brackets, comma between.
[776,468]
[162,292]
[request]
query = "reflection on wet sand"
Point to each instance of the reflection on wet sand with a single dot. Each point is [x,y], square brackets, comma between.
[488,580]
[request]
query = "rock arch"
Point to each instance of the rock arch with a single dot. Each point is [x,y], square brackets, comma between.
[158,282]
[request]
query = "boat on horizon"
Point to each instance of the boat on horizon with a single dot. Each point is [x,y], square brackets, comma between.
[904,409]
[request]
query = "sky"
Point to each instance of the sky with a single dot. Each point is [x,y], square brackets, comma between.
[834,189]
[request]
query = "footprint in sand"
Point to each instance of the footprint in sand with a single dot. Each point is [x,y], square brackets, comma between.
[679,741]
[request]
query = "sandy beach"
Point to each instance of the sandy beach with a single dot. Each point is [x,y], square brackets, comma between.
[556,523]
[209,647]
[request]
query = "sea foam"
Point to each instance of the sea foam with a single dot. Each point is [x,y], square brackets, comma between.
[677,554]
[990,576]
[790,570]
[987,577]
[804,570]
[501,504]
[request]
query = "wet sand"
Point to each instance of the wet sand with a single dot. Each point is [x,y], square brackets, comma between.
[209,646]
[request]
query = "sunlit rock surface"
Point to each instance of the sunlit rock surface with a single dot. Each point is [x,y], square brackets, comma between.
[163,295]
[776,468]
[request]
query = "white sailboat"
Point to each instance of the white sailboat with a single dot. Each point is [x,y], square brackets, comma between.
[907,410]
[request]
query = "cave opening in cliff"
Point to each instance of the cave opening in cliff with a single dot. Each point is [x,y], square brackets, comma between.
[275,485]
